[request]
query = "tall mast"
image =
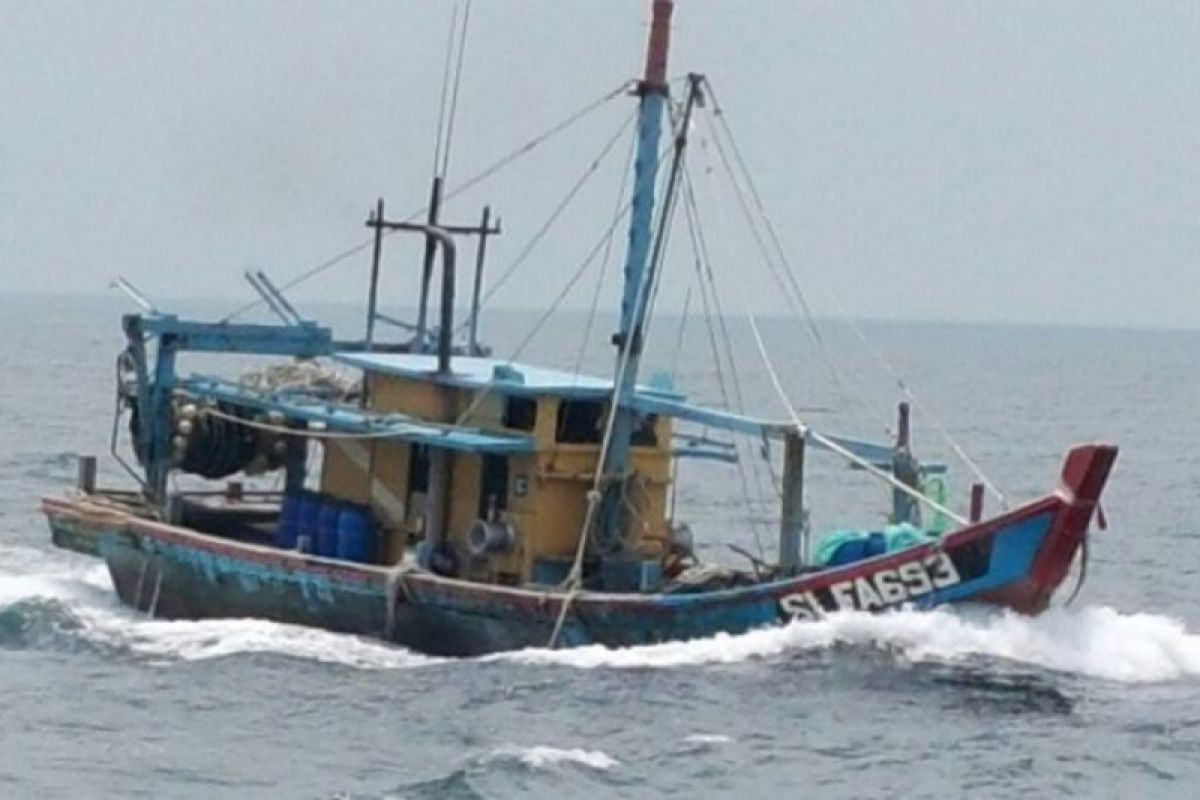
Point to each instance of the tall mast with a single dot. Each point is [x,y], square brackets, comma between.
[628,339]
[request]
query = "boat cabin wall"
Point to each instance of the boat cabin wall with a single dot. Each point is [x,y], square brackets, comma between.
[541,497]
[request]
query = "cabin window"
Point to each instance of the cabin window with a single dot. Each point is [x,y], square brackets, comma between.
[493,486]
[646,432]
[418,469]
[520,413]
[580,422]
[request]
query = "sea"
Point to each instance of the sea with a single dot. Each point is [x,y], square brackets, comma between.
[1096,699]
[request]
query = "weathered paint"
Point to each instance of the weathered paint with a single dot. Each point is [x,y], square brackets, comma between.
[1016,560]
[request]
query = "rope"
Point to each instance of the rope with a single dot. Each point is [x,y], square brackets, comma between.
[828,443]
[566,200]
[479,177]
[462,46]
[604,239]
[604,262]
[958,449]
[574,577]
[308,434]
[437,144]
[703,263]
[719,115]
[790,288]
[537,326]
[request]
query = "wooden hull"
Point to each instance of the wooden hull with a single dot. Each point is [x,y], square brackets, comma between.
[1016,560]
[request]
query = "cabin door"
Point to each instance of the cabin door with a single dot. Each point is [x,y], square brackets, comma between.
[493,486]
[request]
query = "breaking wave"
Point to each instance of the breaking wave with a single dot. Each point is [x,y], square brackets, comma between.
[544,757]
[1094,641]
[707,738]
[71,605]
[67,603]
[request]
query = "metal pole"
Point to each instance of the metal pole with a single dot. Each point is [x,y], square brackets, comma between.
[791,518]
[440,465]
[373,293]
[905,470]
[480,251]
[976,512]
[435,203]
[86,481]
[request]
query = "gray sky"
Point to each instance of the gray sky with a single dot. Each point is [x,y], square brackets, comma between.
[1019,161]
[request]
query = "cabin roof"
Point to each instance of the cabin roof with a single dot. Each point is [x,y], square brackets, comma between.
[472,372]
[349,419]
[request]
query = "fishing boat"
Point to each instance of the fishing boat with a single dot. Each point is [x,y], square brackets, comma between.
[459,503]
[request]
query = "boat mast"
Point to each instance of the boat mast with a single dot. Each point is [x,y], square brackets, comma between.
[652,90]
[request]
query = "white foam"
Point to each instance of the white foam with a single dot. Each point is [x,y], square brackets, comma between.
[542,756]
[708,738]
[85,589]
[27,574]
[1095,641]
[172,641]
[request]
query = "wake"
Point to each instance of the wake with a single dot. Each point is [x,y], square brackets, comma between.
[75,598]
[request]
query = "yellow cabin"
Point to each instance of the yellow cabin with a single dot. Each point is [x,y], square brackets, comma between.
[521,446]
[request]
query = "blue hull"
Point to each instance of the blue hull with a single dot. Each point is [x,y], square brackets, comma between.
[1016,560]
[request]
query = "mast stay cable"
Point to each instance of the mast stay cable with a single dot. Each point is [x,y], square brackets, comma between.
[703,263]
[483,175]
[722,120]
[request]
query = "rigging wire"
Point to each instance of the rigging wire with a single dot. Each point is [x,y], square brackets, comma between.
[458,68]
[604,243]
[825,441]
[566,200]
[683,320]
[437,143]
[797,301]
[960,451]
[574,577]
[537,326]
[585,340]
[703,274]
[704,266]
[483,175]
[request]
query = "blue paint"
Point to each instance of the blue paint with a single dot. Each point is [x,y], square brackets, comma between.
[308,521]
[510,377]
[354,420]
[1013,551]
[288,529]
[305,340]
[327,528]
[356,540]
[485,619]
[173,336]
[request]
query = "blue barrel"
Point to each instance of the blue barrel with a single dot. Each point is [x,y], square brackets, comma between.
[356,534]
[327,527]
[308,520]
[288,528]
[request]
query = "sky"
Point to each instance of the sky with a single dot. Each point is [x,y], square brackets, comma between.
[966,161]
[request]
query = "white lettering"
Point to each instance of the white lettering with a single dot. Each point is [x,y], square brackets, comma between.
[942,571]
[796,606]
[916,580]
[890,588]
[868,598]
[843,594]
[887,587]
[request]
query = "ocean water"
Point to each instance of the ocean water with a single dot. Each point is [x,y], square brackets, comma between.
[1101,699]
